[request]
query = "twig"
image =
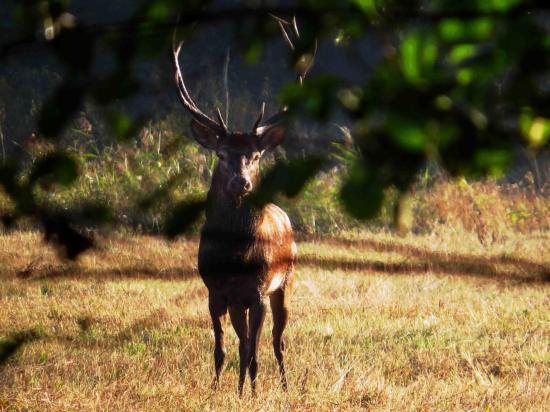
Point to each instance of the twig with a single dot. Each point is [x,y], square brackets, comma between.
[3,148]
[226,83]
[133,26]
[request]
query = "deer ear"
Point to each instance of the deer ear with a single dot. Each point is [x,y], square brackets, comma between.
[205,136]
[272,138]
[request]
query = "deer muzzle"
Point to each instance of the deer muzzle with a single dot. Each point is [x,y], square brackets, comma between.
[239,185]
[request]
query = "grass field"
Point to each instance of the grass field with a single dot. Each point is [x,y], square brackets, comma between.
[378,322]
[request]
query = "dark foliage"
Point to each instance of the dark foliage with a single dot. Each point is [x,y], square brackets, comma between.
[458,83]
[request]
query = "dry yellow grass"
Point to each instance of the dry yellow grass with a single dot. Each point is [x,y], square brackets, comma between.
[378,322]
[494,210]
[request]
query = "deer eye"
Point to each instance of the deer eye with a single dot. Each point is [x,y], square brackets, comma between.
[256,157]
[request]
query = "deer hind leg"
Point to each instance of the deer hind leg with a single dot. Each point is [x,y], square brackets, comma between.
[256,318]
[279,309]
[237,313]
[218,309]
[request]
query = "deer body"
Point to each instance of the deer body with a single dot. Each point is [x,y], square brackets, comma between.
[253,248]
[244,261]
[246,254]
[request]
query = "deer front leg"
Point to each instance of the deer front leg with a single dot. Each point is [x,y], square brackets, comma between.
[237,313]
[279,309]
[256,320]
[218,309]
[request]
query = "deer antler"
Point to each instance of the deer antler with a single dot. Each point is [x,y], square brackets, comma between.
[219,127]
[288,29]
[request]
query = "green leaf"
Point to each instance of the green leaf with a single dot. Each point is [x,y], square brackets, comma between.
[366,6]
[57,168]
[409,56]
[8,220]
[388,161]
[525,121]
[407,132]
[492,161]
[362,195]
[59,108]
[462,52]
[74,47]
[287,178]
[59,230]
[119,85]
[8,178]
[536,130]
[123,127]
[418,54]
[160,194]
[253,51]
[315,97]
[20,194]
[95,214]
[182,217]
[457,30]
[497,5]
[465,76]
[151,37]
[159,10]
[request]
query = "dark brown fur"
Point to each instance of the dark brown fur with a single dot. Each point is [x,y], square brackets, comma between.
[246,256]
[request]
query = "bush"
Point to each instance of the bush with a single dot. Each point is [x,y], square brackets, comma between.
[144,179]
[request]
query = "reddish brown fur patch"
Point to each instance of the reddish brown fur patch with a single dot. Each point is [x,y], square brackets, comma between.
[275,230]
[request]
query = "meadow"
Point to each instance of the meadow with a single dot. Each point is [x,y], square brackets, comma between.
[440,301]
[452,315]
[379,322]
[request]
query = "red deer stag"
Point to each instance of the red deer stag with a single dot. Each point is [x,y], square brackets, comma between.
[246,254]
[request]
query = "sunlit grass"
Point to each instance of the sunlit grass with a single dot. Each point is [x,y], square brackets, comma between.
[127,327]
[144,180]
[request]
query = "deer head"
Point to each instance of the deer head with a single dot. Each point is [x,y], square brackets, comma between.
[239,153]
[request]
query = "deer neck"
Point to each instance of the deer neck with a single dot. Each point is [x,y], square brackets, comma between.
[224,213]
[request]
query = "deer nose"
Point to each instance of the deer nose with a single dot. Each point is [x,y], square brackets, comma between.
[240,185]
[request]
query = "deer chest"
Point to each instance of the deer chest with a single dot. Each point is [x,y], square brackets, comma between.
[230,256]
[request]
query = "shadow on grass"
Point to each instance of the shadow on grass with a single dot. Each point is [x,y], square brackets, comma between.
[139,331]
[111,273]
[455,268]
[422,260]
[503,267]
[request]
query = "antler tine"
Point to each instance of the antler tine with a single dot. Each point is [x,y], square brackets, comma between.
[273,121]
[308,64]
[220,128]
[179,78]
[285,35]
[259,119]
[220,119]
[295,26]
[279,19]
[303,71]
